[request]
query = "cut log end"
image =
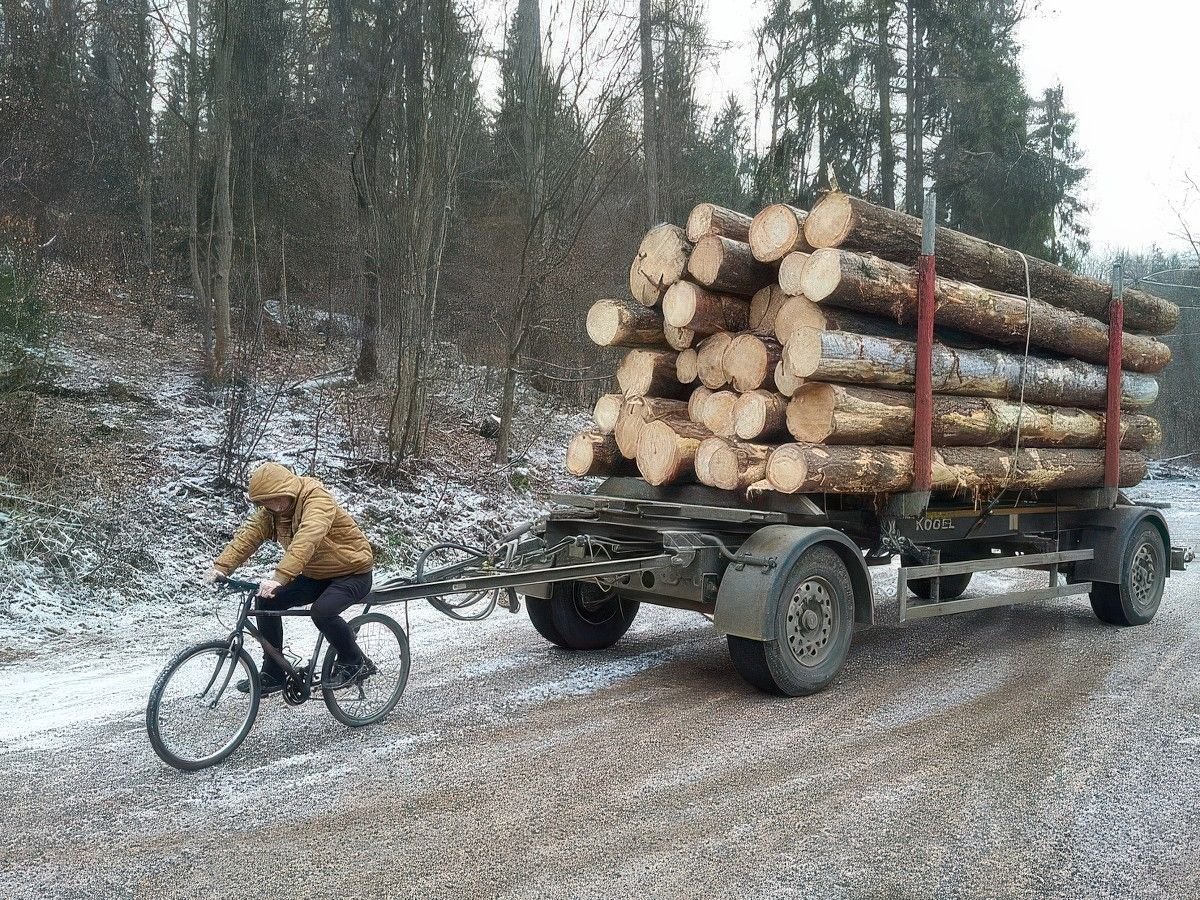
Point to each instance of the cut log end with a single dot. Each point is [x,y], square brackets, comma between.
[708,218]
[776,231]
[795,312]
[679,338]
[803,353]
[749,362]
[830,221]
[759,415]
[680,302]
[606,411]
[810,412]
[710,357]
[787,469]
[666,452]
[593,453]
[786,383]
[821,275]
[687,366]
[791,271]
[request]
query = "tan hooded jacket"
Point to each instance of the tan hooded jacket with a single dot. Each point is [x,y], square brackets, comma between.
[319,537]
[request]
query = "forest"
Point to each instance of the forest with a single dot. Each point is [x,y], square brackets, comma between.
[425,173]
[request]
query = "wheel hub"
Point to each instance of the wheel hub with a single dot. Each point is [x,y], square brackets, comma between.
[810,621]
[1143,577]
[296,689]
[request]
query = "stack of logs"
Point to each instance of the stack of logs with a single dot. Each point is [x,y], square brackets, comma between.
[777,353]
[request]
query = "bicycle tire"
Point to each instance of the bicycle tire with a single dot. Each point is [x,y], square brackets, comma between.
[154,706]
[336,700]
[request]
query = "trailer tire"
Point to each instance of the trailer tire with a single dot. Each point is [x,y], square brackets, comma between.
[540,614]
[1143,577]
[814,624]
[583,616]
[952,586]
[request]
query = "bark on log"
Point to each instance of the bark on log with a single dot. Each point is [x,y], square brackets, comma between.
[883,362]
[605,413]
[845,414]
[728,267]
[678,338]
[764,307]
[839,220]
[785,382]
[687,366]
[872,285]
[816,468]
[593,453]
[636,412]
[716,412]
[730,465]
[650,373]
[791,271]
[777,231]
[688,305]
[749,361]
[661,260]
[625,323]
[666,450]
[708,218]
[710,357]
[760,416]
[695,407]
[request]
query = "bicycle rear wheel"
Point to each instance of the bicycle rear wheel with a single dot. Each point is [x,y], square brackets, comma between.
[196,716]
[383,642]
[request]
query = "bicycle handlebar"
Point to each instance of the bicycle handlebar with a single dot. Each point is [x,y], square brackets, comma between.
[236,584]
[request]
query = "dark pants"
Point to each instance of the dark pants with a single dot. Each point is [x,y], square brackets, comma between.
[329,597]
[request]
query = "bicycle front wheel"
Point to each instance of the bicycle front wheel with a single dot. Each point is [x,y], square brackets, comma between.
[365,702]
[197,716]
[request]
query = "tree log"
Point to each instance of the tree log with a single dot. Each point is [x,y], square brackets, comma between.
[873,285]
[861,359]
[800,310]
[696,403]
[785,382]
[650,372]
[728,267]
[708,218]
[691,306]
[816,468]
[760,416]
[678,338]
[749,361]
[605,413]
[593,453]
[636,412]
[730,465]
[764,307]
[777,231]
[839,220]
[666,450]
[687,366]
[710,357]
[846,414]
[791,271]
[716,412]
[661,260]
[624,323]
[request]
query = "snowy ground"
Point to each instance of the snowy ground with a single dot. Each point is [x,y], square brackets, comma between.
[1027,752]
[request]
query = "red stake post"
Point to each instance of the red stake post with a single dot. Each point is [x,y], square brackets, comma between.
[926,310]
[1112,411]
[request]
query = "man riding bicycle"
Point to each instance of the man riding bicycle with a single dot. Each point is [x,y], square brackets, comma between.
[327,562]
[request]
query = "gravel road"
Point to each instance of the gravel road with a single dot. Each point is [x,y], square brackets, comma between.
[1028,752]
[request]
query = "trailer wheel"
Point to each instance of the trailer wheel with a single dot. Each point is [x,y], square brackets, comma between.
[952,586]
[814,623]
[581,615]
[1143,577]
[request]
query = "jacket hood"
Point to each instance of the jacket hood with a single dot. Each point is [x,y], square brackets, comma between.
[273,480]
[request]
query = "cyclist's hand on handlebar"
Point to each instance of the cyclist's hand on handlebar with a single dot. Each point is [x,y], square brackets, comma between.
[268,588]
[213,575]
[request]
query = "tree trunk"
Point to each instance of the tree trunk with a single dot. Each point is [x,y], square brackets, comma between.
[814,468]
[845,414]
[730,465]
[691,306]
[199,289]
[873,285]
[636,412]
[800,311]
[661,260]
[649,115]
[666,451]
[777,231]
[593,453]
[708,218]
[883,85]
[623,323]
[606,411]
[764,307]
[223,225]
[728,267]
[839,220]
[650,373]
[884,362]
[710,355]
[750,360]
[760,416]
[914,115]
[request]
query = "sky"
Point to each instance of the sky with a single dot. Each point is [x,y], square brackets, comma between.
[1130,73]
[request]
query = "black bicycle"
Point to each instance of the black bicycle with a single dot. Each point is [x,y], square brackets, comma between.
[197,716]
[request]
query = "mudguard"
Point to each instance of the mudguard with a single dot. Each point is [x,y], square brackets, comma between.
[1107,533]
[748,594]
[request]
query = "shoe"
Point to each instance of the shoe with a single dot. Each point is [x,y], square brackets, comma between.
[270,684]
[346,674]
